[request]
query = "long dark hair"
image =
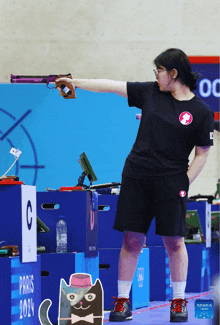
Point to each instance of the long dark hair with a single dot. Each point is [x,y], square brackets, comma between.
[177,59]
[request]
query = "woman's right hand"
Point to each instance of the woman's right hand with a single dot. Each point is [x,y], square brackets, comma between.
[66,87]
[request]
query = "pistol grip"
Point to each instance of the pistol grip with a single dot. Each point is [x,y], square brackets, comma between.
[67,89]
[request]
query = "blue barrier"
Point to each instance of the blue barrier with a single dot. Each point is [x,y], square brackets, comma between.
[20,291]
[198,277]
[160,285]
[82,222]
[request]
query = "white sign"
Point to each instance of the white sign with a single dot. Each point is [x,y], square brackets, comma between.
[208,225]
[29,224]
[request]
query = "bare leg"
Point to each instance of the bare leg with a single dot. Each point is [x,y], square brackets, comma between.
[132,245]
[178,258]
[128,258]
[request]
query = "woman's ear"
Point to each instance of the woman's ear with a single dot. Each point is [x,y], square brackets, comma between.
[174,73]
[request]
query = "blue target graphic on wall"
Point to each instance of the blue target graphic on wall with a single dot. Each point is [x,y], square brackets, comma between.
[14,134]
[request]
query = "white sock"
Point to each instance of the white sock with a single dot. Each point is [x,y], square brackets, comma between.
[179,290]
[124,288]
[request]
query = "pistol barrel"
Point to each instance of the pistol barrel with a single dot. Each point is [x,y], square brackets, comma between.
[28,79]
[35,79]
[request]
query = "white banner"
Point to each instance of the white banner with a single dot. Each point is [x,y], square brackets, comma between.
[29,223]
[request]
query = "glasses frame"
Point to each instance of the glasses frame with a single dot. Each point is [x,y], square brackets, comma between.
[157,72]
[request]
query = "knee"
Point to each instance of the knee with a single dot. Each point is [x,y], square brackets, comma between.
[133,244]
[173,244]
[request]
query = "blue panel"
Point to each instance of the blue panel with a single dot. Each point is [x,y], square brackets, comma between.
[56,131]
[80,263]
[141,284]
[214,259]
[74,208]
[5,285]
[92,267]
[198,277]
[209,84]
[159,274]
[108,274]
[107,236]
[20,300]
[10,209]
[27,296]
[215,207]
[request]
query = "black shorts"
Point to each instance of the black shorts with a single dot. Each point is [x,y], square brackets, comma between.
[165,198]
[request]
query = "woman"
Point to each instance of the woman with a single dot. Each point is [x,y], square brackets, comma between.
[156,175]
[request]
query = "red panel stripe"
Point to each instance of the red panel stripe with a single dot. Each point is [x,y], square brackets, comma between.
[216,116]
[204,59]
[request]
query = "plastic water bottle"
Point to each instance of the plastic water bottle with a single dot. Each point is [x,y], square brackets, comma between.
[197,236]
[61,233]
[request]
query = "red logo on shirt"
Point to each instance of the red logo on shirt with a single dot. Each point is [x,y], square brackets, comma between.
[182,193]
[185,118]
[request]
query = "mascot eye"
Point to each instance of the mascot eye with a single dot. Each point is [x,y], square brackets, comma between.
[72,296]
[90,296]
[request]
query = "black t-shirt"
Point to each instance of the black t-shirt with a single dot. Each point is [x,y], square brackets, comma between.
[169,129]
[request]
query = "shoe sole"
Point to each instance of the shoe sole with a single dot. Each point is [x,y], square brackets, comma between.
[119,319]
[179,319]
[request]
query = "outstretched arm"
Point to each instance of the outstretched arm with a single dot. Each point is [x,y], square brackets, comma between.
[98,85]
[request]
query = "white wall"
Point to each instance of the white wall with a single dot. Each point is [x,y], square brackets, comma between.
[115,39]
